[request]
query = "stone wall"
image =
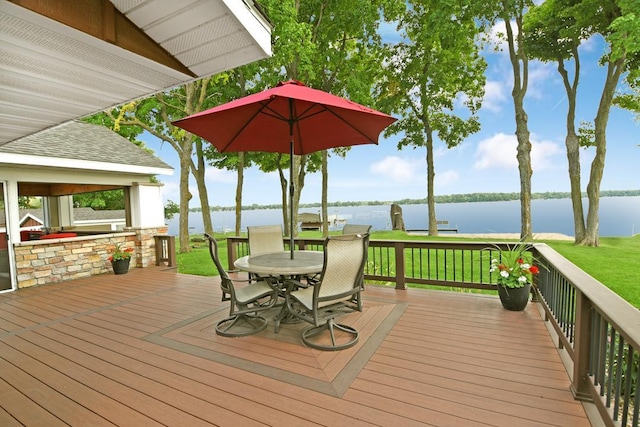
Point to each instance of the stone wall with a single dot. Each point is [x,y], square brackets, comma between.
[41,262]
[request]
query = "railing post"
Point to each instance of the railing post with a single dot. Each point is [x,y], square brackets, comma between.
[582,348]
[165,250]
[399,250]
[232,254]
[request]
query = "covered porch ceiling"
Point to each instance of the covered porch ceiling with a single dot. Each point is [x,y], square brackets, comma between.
[61,60]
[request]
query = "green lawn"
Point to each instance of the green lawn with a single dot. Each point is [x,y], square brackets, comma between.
[613,263]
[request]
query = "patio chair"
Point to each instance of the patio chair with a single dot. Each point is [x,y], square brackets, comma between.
[246,302]
[265,238]
[356,229]
[336,293]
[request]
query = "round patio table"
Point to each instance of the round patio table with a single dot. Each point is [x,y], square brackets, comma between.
[281,264]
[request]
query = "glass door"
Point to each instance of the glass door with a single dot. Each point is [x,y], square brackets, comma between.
[5,245]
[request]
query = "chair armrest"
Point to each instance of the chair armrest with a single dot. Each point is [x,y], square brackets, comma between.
[292,284]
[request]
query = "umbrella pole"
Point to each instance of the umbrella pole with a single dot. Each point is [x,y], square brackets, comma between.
[291,228]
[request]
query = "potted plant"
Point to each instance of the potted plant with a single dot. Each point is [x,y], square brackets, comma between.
[120,259]
[515,271]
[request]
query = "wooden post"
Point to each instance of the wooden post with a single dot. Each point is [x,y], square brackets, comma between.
[582,346]
[399,250]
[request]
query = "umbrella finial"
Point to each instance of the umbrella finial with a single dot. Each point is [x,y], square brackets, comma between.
[291,82]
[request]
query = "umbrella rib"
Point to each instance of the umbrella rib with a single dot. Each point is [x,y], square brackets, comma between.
[350,125]
[260,110]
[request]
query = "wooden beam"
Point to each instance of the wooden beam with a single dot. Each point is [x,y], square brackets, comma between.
[33,189]
[66,189]
[43,189]
[100,19]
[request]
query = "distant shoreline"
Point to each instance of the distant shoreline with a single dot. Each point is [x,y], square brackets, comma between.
[452,198]
[506,236]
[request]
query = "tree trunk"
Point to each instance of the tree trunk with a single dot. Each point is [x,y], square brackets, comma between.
[195,96]
[614,71]
[299,169]
[325,193]
[520,66]
[185,196]
[572,143]
[524,167]
[284,187]
[203,195]
[240,174]
[431,204]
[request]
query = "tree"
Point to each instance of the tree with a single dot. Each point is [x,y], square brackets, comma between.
[551,34]
[619,23]
[554,31]
[511,12]
[353,49]
[170,209]
[154,115]
[437,67]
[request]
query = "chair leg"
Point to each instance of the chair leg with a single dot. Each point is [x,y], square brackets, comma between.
[242,324]
[330,326]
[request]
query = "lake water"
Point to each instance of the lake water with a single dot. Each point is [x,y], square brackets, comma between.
[619,216]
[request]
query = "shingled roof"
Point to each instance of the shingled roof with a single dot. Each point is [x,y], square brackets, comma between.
[86,142]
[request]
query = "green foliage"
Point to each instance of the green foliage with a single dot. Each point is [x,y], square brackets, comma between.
[100,200]
[513,265]
[170,209]
[27,202]
[587,134]
[436,64]
[119,252]
[630,100]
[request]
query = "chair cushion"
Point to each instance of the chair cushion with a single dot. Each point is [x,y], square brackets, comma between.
[253,291]
[304,296]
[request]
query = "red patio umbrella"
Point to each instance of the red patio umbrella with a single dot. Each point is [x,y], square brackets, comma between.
[290,118]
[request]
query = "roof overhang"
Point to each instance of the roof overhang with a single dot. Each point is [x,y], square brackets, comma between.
[73,164]
[60,60]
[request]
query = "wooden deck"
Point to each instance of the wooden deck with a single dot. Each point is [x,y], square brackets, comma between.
[139,349]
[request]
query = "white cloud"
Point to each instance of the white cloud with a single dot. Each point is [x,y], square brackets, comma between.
[219,175]
[540,77]
[447,178]
[396,169]
[494,95]
[499,151]
[589,45]
[544,154]
[170,191]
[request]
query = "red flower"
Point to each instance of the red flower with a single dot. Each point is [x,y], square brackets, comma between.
[520,260]
[110,258]
[534,270]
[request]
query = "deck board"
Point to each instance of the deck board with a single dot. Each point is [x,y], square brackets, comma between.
[140,349]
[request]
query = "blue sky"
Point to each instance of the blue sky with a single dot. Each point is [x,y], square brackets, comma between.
[484,162]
